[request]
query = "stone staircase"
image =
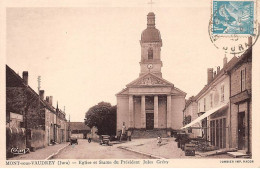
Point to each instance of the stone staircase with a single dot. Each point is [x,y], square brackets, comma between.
[149,133]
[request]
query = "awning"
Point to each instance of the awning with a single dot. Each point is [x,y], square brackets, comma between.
[206,114]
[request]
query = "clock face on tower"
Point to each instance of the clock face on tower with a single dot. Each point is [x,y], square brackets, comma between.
[150,66]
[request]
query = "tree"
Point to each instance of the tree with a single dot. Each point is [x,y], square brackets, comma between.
[103,117]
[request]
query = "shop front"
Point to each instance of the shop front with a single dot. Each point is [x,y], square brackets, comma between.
[213,126]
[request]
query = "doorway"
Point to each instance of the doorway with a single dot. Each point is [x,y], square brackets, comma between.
[241,130]
[149,121]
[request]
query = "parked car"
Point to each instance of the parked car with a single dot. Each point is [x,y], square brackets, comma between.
[74,140]
[104,139]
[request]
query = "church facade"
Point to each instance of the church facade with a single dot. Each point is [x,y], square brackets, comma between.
[150,103]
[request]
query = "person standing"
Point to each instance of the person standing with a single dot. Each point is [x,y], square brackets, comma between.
[129,134]
[159,141]
[123,131]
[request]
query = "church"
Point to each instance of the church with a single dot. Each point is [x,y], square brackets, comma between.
[150,105]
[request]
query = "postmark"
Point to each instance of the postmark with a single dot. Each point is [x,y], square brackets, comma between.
[233,25]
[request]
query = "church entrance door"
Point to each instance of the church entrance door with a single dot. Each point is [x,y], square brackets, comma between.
[149,121]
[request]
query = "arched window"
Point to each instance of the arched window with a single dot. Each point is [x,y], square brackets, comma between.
[150,53]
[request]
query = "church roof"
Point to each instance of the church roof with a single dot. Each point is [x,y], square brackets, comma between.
[151,34]
[150,80]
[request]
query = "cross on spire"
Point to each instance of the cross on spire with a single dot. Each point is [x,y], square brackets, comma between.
[151,4]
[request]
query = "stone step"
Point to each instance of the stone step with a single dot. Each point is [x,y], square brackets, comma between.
[237,154]
[149,133]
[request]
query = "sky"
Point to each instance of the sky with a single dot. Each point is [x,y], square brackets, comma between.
[87,54]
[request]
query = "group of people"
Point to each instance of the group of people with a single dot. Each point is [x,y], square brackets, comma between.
[128,134]
[125,133]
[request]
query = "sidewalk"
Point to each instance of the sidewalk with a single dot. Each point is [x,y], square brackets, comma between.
[217,152]
[41,154]
[168,148]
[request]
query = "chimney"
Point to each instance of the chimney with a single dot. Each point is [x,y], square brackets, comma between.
[250,40]
[25,77]
[50,100]
[218,69]
[47,99]
[210,75]
[215,74]
[42,94]
[224,61]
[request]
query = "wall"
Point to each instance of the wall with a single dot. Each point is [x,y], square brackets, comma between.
[137,112]
[27,102]
[122,112]
[236,77]
[38,138]
[243,106]
[216,91]
[192,110]
[15,99]
[49,123]
[68,133]
[162,115]
[15,137]
[149,90]
[63,131]
[156,58]
[156,50]
[79,136]
[149,102]
[178,104]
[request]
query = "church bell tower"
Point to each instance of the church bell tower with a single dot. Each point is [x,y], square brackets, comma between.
[151,44]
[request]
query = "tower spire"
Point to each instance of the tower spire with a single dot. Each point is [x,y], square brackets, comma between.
[151,44]
[151,5]
[151,20]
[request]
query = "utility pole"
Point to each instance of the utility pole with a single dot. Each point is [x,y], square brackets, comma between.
[39,87]
[69,130]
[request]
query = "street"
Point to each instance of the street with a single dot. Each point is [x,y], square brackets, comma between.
[135,149]
[93,150]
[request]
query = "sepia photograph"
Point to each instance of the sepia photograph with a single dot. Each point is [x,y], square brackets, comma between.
[130,83]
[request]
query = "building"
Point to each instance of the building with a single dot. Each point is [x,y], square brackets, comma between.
[79,130]
[50,119]
[190,113]
[225,105]
[61,126]
[241,103]
[29,111]
[150,105]
[213,107]
[22,99]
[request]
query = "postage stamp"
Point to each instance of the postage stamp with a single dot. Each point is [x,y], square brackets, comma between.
[233,25]
[233,17]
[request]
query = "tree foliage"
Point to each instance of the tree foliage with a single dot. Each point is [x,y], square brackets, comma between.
[103,117]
